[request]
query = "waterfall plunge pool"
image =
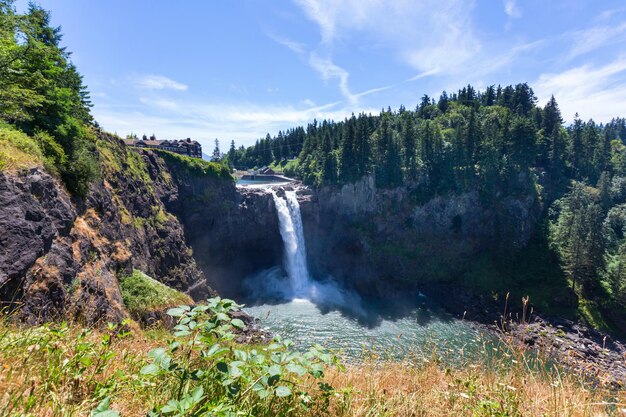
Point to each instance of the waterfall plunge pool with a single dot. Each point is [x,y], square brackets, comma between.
[289,303]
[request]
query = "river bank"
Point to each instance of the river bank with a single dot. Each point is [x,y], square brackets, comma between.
[598,356]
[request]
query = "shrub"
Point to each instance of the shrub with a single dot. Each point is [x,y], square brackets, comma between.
[18,150]
[206,375]
[54,154]
[196,166]
[142,294]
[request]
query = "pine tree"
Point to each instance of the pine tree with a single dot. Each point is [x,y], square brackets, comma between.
[329,164]
[217,154]
[577,149]
[576,235]
[348,163]
[409,145]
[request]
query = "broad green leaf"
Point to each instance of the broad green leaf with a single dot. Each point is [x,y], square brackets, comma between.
[197,394]
[282,391]
[102,410]
[234,372]
[241,355]
[151,369]
[176,312]
[296,369]
[274,370]
[238,323]
[171,407]
[155,353]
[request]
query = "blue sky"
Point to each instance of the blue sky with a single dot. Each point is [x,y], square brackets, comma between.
[239,69]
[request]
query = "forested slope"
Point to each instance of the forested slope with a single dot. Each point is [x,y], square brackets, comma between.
[501,144]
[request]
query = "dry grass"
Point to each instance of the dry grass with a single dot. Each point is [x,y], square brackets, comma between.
[45,371]
[403,389]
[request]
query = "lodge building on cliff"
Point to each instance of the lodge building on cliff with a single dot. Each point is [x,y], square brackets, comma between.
[182,146]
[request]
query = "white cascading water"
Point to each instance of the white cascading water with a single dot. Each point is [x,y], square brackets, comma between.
[290,223]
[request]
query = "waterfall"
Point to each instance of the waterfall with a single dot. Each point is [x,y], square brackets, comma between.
[272,284]
[290,223]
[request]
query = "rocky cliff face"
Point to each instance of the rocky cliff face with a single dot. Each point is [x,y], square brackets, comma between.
[61,257]
[381,241]
[233,231]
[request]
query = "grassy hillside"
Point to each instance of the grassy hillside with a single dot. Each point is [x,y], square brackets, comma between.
[142,294]
[18,150]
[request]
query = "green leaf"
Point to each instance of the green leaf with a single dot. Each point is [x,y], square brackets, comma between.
[296,369]
[238,323]
[102,410]
[282,391]
[197,394]
[234,372]
[222,317]
[212,350]
[176,312]
[151,369]
[274,370]
[263,393]
[156,353]
[241,355]
[171,407]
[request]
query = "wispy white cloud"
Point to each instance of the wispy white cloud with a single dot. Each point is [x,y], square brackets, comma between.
[243,122]
[328,70]
[597,92]
[429,35]
[512,9]
[590,39]
[297,47]
[159,82]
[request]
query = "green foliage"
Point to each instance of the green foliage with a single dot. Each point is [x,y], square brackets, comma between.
[43,95]
[576,235]
[142,294]
[55,158]
[77,361]
[196,166]
[17,150]
[208,376]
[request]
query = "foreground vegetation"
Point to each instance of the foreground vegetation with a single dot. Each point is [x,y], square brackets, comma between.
[67,370]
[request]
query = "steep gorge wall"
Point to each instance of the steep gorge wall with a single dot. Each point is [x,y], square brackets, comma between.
[233,231]
[382,242]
